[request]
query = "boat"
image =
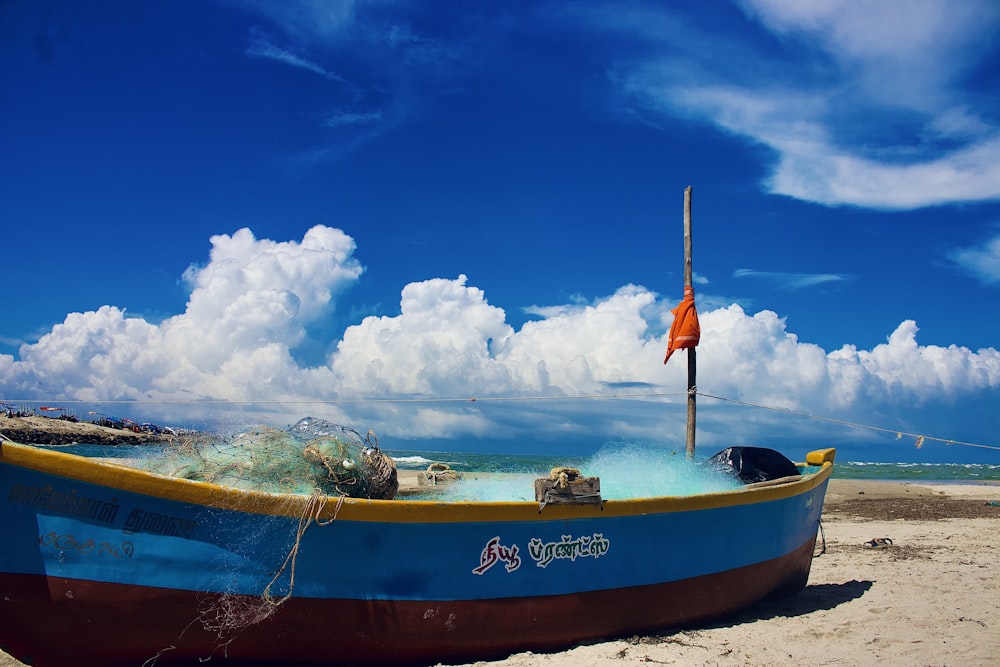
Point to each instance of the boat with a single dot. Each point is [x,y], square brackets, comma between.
[107,564]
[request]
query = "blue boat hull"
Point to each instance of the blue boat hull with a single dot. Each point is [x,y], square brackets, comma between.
[112,566]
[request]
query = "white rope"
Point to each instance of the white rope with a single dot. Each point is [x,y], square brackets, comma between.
[920,438]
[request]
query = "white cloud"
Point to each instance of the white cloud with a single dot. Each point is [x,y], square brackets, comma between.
[870,112]
[248,308]
[262,47]
[341,118]
[811,166]
[250,303]
[863,104]
[306,19]
[981,262]
[442,344]
[792,281]
[89,356]
[581,349]
[904,52]
[821,173]
[391,65]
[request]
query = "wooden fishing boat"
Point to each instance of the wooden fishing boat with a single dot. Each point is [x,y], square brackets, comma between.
[104,564]
[108,565]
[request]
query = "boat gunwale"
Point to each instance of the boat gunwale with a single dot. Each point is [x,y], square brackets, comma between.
[117,476]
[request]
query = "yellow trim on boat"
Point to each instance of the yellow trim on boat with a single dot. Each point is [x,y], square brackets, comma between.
[820,456]
[116,476]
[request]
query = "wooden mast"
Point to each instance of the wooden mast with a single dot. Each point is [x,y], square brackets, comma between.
[691,356]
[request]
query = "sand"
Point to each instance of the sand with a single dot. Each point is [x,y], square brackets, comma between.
[929,598]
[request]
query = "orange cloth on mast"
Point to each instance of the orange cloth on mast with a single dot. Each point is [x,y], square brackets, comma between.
[685,331]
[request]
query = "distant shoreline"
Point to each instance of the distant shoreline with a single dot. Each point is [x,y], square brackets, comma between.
[35,430]
[55,432]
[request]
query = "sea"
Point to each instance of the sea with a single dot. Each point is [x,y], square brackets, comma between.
[636,458]
[970,473]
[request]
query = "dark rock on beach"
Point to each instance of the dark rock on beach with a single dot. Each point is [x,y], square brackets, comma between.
[34,430]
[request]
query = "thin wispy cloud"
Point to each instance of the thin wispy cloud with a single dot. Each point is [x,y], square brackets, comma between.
[262,47]
[818,173]
[371,30]
[353,130]
[12,342]
[341,118]
[395,67]
[851,61]
[981,262]
[792,281]
[896,66]
[906,53]
[306,20]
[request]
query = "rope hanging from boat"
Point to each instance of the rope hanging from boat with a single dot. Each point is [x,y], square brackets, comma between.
[230,613]
[822,535]
[310,514]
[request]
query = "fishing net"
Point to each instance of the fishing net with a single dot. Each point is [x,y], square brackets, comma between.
[227,614]
[313,458]
[312,455]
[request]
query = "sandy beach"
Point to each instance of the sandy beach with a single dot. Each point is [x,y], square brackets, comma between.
[931,597]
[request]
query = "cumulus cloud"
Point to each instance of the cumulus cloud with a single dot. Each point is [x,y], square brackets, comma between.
[441,344]
[414,375]
[248,308]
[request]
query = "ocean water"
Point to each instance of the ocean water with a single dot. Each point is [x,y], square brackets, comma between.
[616,465]
[910,472]
[624,472]
[918,472]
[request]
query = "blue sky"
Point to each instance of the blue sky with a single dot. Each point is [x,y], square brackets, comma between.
[221,210]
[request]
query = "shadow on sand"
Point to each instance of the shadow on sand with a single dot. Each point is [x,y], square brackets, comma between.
[812,598]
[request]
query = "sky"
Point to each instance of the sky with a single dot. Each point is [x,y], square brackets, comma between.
[246,211]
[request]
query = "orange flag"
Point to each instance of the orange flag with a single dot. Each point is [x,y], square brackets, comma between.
[685,331]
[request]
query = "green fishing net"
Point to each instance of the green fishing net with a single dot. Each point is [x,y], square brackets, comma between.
[312,455]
